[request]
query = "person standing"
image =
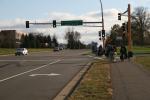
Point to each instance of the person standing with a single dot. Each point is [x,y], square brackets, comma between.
[123,53]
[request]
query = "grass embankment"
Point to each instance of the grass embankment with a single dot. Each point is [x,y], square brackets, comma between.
[39,49]
[141,50]
[6,51]
[144,60]
[96,84]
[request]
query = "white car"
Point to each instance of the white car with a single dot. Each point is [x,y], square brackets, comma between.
[56,49]
[21,51]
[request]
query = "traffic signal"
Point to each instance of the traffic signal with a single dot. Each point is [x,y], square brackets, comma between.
[123,26]
[127,27]
[123,35]
[103,33]
[27,24]
[100,33]
[54,23]
[119,16]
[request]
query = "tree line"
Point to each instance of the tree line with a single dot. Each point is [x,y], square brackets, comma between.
[140,29]
[33,40]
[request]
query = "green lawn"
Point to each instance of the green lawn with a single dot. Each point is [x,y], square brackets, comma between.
[138,50]
[96,84]
[144,60]
[6,51]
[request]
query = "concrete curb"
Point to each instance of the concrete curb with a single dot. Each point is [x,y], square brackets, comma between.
[69,88]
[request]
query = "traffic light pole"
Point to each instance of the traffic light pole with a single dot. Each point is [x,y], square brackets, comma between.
[102,22]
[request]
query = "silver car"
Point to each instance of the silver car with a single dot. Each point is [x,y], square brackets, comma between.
[21,51]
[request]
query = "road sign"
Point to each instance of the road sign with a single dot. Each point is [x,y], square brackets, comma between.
[72,23]
[119,37]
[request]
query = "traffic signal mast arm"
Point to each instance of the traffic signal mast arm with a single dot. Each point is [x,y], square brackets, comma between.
[65,23]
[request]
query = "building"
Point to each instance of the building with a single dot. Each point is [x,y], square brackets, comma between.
[10,38]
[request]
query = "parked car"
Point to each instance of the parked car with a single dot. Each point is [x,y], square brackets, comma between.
[56,49]
[21,51]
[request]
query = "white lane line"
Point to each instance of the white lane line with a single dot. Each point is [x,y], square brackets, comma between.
[21,60]
[96,57]
[52,74]
[29,71]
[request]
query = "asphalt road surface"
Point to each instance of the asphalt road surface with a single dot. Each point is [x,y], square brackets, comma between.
[39,76]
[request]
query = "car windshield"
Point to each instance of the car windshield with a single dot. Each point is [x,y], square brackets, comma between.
[20,49]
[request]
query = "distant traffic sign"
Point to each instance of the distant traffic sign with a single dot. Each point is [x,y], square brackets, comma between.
[72,23]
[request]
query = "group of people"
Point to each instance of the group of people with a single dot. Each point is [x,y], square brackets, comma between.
[110,51]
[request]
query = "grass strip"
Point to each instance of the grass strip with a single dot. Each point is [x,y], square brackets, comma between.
[96,84]
[144,60]
[6,51]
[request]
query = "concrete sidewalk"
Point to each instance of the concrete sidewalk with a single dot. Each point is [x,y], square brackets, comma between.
[129,81]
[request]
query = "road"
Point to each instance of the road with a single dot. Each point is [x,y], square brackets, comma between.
[130,81]
[39,76]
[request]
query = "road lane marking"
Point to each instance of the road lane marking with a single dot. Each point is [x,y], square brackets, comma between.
[29,71]
[101,58]
[51,74]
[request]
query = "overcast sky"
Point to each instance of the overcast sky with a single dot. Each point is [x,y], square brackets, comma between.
[14,13]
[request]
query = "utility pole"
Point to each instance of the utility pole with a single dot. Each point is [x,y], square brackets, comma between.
[129,28]
[130,53]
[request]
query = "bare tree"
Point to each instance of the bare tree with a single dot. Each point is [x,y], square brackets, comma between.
[73,39]
[140,24]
